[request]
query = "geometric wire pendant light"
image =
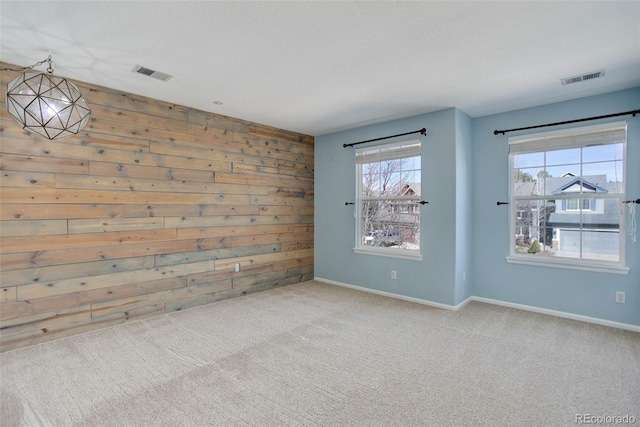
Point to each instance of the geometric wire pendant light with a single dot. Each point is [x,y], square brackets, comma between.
[46,104]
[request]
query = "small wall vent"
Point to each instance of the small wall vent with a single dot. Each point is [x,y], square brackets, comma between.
[152,73]
[582,77]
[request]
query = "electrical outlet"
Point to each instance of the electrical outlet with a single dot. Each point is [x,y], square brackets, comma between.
[620,297]
[393,274]
[237,267]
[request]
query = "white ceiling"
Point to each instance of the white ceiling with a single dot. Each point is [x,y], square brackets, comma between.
[319,67]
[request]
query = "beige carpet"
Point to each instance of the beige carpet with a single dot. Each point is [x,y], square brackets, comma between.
[315,354]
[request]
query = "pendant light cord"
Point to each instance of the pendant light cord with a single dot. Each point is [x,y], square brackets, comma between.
[37,64]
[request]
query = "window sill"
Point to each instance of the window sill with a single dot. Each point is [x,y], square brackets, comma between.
[390,253]
[569,264]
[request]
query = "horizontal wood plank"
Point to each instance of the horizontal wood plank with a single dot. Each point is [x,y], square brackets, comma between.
[40,243]
[245,261]
[80,284]
[33,227]
[224,221]
[103,225]
[153,185]
[65,271]
[22,211]
[27,179]
[228,232]
[149,172]
[37,321]
[190,210]
[13,162]
[214,254]
[52,149]
[8,294]
[263,180]
[77,299]
[87,196]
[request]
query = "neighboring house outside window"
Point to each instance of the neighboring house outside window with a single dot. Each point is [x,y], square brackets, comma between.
[566,191]
[388,191]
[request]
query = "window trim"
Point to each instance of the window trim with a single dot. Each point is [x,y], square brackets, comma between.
[359,248]
[568,263]
[615,267]
[390,253]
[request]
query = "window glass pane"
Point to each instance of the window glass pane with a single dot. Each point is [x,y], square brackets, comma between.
[528,181]
[390,224]
[410,178]
[546,242]
[522,228]
[600,244]
[411,189]
[591,232]
[527,174]
[607,175]
[568,242]
[564,171]
[598,153]
[528,160]
[370,168]
[412,163]
[370,185]
[532,235]
[369,217]
[563,157]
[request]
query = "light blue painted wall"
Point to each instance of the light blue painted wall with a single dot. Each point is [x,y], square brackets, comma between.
[584,293]
[465,171]
[434,278]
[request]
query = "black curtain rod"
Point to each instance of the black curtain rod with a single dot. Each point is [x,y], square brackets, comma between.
[422,202]
[423,131]
[634,112]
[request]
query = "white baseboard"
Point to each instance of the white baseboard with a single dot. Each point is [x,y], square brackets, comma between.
[556,313]
[563,314]
[396,296]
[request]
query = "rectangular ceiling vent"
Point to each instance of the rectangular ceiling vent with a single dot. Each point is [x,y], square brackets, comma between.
[582,77]
[152,73]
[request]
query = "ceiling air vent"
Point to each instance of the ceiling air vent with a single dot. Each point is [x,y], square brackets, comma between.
[582,77]
[152,73]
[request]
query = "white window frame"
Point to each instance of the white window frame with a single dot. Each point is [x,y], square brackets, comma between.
[568,138]
[392,151]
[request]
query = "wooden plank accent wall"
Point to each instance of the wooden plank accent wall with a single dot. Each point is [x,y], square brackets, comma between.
[148,210]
